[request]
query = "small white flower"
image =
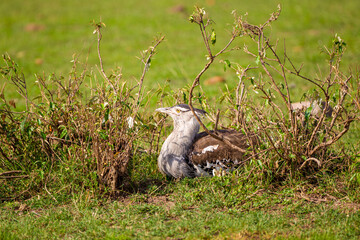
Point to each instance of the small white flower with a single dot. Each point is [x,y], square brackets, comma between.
[130,122]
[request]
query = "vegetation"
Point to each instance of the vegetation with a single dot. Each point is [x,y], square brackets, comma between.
[79,159]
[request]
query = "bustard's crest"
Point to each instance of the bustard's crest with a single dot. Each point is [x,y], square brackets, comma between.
[180,110]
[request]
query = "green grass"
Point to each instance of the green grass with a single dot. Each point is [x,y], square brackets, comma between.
[305,26]
[230,207]
[191,209]
[218,208]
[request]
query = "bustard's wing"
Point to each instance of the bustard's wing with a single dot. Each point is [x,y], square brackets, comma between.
[209,153]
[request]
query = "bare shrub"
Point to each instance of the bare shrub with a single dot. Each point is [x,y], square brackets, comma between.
[294,143]
[60,129]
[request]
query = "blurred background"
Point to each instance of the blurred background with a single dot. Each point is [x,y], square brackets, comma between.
[43,36]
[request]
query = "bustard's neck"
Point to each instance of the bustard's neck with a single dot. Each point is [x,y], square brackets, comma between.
[172,159]
[181,138]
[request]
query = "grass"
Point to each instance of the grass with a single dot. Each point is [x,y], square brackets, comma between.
[228,207]
[63,31]
[43,36]
[187,210]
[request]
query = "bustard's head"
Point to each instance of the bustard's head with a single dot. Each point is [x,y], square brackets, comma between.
[181,114]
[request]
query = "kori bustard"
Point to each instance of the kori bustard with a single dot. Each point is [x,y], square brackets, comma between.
[187,153]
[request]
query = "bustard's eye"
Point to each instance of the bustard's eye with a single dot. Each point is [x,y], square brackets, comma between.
[178,110]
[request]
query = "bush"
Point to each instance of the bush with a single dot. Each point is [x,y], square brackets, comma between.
[65,140]
[295,142]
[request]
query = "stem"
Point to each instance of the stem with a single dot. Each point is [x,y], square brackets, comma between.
[197,80]
[146,66]
[100,59]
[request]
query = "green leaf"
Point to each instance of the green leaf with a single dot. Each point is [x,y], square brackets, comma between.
[191,18]
[22,125]
[63,133]
[334,98]
[103,135]
[107,113]
[213,37]
[51,106]
[303,97]
[307,113]
[257,61]
[252,81]
[226,64]
[199,96]
[43,135]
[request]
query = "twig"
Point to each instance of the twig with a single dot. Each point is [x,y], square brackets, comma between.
[3,175]
[220,138]
[334,139]
[217,119]
[311,159]
[270,139]
[50,193]
[12,177]
[147,65]
[62,140]
[151,53]
[255,193]
[10,172]
[239,96]
[99,36]
[211,59]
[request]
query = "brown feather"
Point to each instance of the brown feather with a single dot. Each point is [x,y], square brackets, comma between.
[222,152]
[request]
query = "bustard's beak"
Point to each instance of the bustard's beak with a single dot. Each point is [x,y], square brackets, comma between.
[162,110]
